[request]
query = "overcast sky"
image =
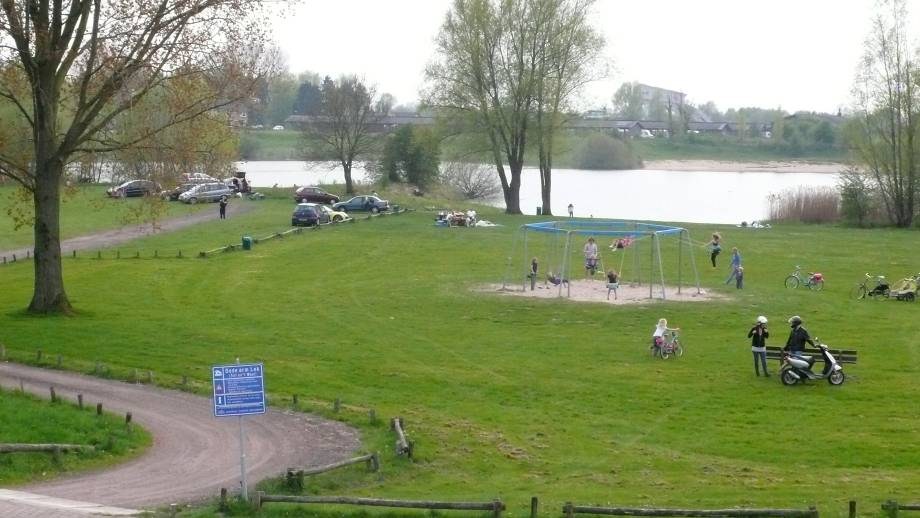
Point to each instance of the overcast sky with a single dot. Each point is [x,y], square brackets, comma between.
[794,54]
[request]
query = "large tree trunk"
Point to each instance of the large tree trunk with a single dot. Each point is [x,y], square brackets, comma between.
[546,189]
[349,185]
[49,295]
[513,192]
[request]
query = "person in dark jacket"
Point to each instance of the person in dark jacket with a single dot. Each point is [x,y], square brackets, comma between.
[758,335]
[223,207]
[798,337]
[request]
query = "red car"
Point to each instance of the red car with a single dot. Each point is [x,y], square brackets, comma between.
[314,195]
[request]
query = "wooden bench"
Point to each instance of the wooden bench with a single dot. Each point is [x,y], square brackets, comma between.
[841,355]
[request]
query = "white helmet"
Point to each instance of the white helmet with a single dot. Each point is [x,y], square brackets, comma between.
[761,319]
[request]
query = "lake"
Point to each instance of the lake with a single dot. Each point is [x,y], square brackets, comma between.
[646,194]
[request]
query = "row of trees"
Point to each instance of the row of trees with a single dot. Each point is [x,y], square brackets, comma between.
[512,69]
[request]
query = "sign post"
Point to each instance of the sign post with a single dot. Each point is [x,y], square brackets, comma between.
[239,390]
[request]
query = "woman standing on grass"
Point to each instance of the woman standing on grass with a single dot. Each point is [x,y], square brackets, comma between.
[715,247]
[758,335]
[736,265]
[223,207]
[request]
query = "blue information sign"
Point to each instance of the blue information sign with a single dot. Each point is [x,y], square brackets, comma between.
[239,389]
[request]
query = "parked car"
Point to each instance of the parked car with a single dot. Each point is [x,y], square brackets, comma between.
[213,191]
[308,215]
[314,195]
[133,188]
[335,215]
[362,203]
[278,128]
[173,194]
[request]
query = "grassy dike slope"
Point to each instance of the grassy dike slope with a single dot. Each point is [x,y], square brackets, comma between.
[512,397]
[30,420]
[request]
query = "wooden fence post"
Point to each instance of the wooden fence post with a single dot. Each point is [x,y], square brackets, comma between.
[852,509]
[75,253]
[2,352]
[336,405]
[149,376]
[569,510]
[813,511]
[38,356]
[294,401]
[497,507]
[98,254]
[184,381]
[56,456]
[891,508]
[373,463]
[53,396]
[80,401]
[257,502]
[98,408]
[60,360]
[223,499]
[534,507]
[372,416]
[117,254]
[128,419]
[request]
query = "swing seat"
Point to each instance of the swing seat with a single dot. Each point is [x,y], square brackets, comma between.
[612,286]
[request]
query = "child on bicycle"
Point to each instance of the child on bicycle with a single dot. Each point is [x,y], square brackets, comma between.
[658,336]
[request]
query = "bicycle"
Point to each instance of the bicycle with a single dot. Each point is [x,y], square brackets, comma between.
[864,289]
[814,281]
[671,346]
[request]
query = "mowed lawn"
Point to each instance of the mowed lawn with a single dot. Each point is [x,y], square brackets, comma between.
[83,211]
[510,397]
[28,419]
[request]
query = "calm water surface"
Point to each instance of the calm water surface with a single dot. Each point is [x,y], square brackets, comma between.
[692,196]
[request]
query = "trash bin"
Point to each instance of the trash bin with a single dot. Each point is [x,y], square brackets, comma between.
[247,243]
[539,211]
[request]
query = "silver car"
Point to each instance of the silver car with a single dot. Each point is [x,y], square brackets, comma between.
[212,191]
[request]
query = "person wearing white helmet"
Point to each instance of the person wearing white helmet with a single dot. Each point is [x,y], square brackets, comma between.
[758,335]
[798,337]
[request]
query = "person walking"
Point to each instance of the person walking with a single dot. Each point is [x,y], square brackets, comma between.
[571,210]
[736,264]
[758,335]
[223,207]
[715,247]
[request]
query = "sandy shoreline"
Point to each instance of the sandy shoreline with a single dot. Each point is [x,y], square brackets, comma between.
[744,167]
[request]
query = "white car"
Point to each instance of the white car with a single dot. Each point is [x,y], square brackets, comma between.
[278,128]
[335,215]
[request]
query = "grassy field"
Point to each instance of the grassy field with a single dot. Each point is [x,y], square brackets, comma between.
[28,419]
[509,397]
[83,211]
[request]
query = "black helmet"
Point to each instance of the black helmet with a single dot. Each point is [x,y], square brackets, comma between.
[795,321]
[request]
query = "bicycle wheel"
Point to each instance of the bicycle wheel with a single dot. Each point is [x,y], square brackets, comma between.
[858,292]
[816,285]
[792,281]
[678,350]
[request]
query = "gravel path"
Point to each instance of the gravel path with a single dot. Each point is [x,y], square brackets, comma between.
[109,238]
[193,454]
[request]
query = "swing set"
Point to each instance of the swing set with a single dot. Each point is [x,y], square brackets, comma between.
[557,241]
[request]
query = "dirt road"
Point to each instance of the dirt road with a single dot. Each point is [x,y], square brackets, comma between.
[109,238]
[193,454]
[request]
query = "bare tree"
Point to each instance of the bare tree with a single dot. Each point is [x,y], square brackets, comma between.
[885,138]
[349,107]
[568,51]
[485,65]
[70,68]
[474,181]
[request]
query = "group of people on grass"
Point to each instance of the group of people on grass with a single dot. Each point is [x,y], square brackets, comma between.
[795,344]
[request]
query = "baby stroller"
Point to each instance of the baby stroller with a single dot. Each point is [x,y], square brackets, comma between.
[905,289]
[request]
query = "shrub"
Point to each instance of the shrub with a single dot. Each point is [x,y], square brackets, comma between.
[807,204]
[605,152]
[473,181]
[857,198]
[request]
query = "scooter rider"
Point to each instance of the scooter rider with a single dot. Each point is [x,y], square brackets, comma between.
[798,337]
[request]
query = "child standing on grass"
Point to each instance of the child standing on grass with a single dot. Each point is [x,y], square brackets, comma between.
[534,266]
[739,277]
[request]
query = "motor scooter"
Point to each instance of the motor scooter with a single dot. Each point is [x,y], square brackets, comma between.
[794,369]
